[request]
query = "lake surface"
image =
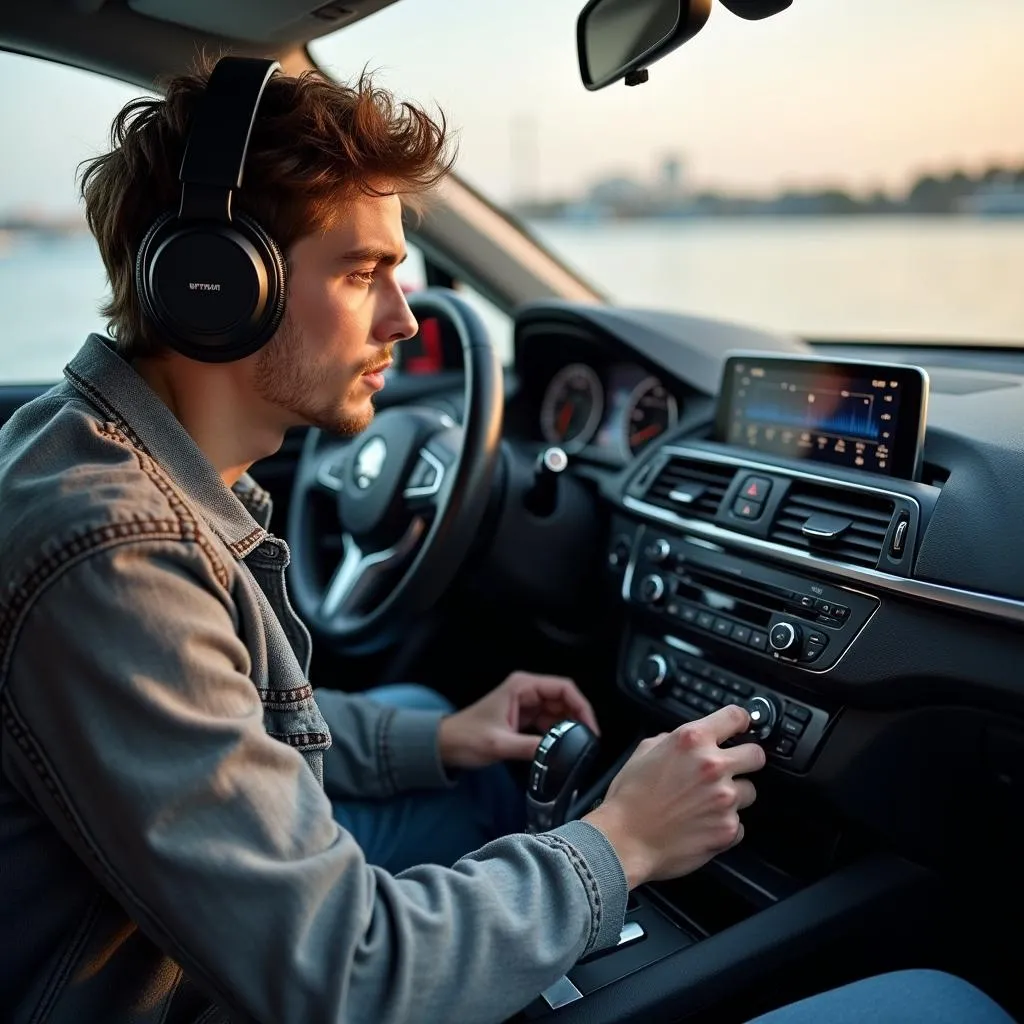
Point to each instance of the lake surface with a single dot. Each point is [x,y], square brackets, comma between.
[889,277]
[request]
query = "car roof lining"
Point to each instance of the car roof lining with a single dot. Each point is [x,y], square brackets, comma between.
[143,41]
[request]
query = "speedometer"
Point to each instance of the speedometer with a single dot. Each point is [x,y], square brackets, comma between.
[651,409]
[572,407]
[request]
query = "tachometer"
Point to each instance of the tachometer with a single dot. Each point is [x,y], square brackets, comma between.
[650,410]
[572,407]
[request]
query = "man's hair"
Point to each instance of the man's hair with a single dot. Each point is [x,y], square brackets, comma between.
[314,145]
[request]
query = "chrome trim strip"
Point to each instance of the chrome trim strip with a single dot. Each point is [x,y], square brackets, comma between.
[562,993]
[438,466]
[632,931]
[988,605]
[682,645]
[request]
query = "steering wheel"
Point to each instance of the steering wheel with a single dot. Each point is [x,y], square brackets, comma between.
[409,495]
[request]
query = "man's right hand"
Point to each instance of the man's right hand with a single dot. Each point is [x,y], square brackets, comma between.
[676,802]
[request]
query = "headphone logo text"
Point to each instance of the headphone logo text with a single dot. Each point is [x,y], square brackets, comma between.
[201,286]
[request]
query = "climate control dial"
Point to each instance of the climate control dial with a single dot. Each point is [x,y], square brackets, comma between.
[652,673]
[651,589]
[763,716]
[784,636]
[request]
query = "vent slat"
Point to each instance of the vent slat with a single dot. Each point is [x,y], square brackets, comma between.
[838,508]
[681,476]
[860,544]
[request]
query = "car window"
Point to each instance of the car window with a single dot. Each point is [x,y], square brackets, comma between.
[51,278]
[413,275]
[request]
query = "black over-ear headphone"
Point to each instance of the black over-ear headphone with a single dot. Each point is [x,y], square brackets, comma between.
[211,279]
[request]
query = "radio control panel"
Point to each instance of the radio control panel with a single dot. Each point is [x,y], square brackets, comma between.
[770,613]
[685,687]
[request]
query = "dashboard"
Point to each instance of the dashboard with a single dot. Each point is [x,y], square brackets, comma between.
[831,530]
[594,398]
[617,410]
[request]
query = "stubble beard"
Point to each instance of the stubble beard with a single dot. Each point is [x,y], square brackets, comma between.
[283,379]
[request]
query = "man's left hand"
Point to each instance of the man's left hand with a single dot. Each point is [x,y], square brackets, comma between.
[492,729]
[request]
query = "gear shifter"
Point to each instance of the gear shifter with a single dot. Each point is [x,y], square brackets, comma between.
[562,758]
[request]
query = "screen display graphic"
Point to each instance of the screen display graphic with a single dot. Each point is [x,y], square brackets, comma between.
[860,416]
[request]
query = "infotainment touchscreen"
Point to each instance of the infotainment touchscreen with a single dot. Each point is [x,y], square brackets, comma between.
[861,415]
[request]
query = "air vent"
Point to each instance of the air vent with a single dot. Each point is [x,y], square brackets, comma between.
[848,526]
[691,488]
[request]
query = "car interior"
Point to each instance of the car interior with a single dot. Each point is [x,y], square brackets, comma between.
[679,512]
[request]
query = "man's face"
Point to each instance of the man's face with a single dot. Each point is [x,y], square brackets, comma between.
[345,312]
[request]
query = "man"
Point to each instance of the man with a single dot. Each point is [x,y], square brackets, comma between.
[168,842]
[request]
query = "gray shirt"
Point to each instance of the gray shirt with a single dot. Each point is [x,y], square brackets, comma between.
[167,849]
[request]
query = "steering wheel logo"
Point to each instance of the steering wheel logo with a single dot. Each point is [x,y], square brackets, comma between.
[370,462]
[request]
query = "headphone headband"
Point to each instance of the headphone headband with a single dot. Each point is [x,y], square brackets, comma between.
[218,139]
[212,281]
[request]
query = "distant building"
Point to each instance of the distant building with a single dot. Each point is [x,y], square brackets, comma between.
[671,179]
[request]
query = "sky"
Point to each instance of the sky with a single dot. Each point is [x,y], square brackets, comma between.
[859,94]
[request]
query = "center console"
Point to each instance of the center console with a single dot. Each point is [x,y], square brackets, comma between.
[691,600]
[745,575]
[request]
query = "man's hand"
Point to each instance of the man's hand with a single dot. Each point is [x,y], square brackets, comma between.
[490,730]
[675,803]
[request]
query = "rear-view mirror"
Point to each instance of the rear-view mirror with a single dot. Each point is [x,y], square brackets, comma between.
[622,38]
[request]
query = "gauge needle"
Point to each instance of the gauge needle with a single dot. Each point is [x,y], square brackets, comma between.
[564,418]
[646,434]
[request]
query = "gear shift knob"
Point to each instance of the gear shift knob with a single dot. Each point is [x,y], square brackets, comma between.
[562,758]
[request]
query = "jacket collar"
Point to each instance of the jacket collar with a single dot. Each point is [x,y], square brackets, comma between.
[111,384]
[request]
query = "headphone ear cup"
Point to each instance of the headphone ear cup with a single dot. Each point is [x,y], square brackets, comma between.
[277,276]
[214,291]
[142,259]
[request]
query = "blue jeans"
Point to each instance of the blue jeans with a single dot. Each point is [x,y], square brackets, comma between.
[433,826]
[903,997]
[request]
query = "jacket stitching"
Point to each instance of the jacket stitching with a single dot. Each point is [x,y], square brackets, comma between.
[119,430]
[247,543]
[292,696]
[384,747]
[72,552]
[101,400]
[589,882]
[189,524]
[300,739]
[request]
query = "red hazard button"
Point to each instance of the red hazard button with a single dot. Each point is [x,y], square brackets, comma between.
[744,509]
[755,488]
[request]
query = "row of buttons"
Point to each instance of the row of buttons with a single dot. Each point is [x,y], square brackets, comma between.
[695,615]
[829,612]
[704,688]
[753,493]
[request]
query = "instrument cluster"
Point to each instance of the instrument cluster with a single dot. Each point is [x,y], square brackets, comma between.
[616,411]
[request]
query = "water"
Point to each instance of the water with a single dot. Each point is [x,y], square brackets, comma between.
[853,277]
[858,277]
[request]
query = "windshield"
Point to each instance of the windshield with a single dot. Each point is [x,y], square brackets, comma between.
[850,170]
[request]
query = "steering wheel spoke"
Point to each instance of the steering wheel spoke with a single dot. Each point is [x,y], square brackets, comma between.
[329,477]
[425,481]
[359,573]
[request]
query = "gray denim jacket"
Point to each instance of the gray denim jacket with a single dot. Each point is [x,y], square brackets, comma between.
[167,851]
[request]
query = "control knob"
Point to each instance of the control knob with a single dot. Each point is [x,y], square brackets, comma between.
[783,636]
[763,716]
[652,673]
[651,589]
[658,550]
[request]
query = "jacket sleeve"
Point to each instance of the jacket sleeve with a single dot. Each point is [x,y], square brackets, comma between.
[130,721]
[377,750]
